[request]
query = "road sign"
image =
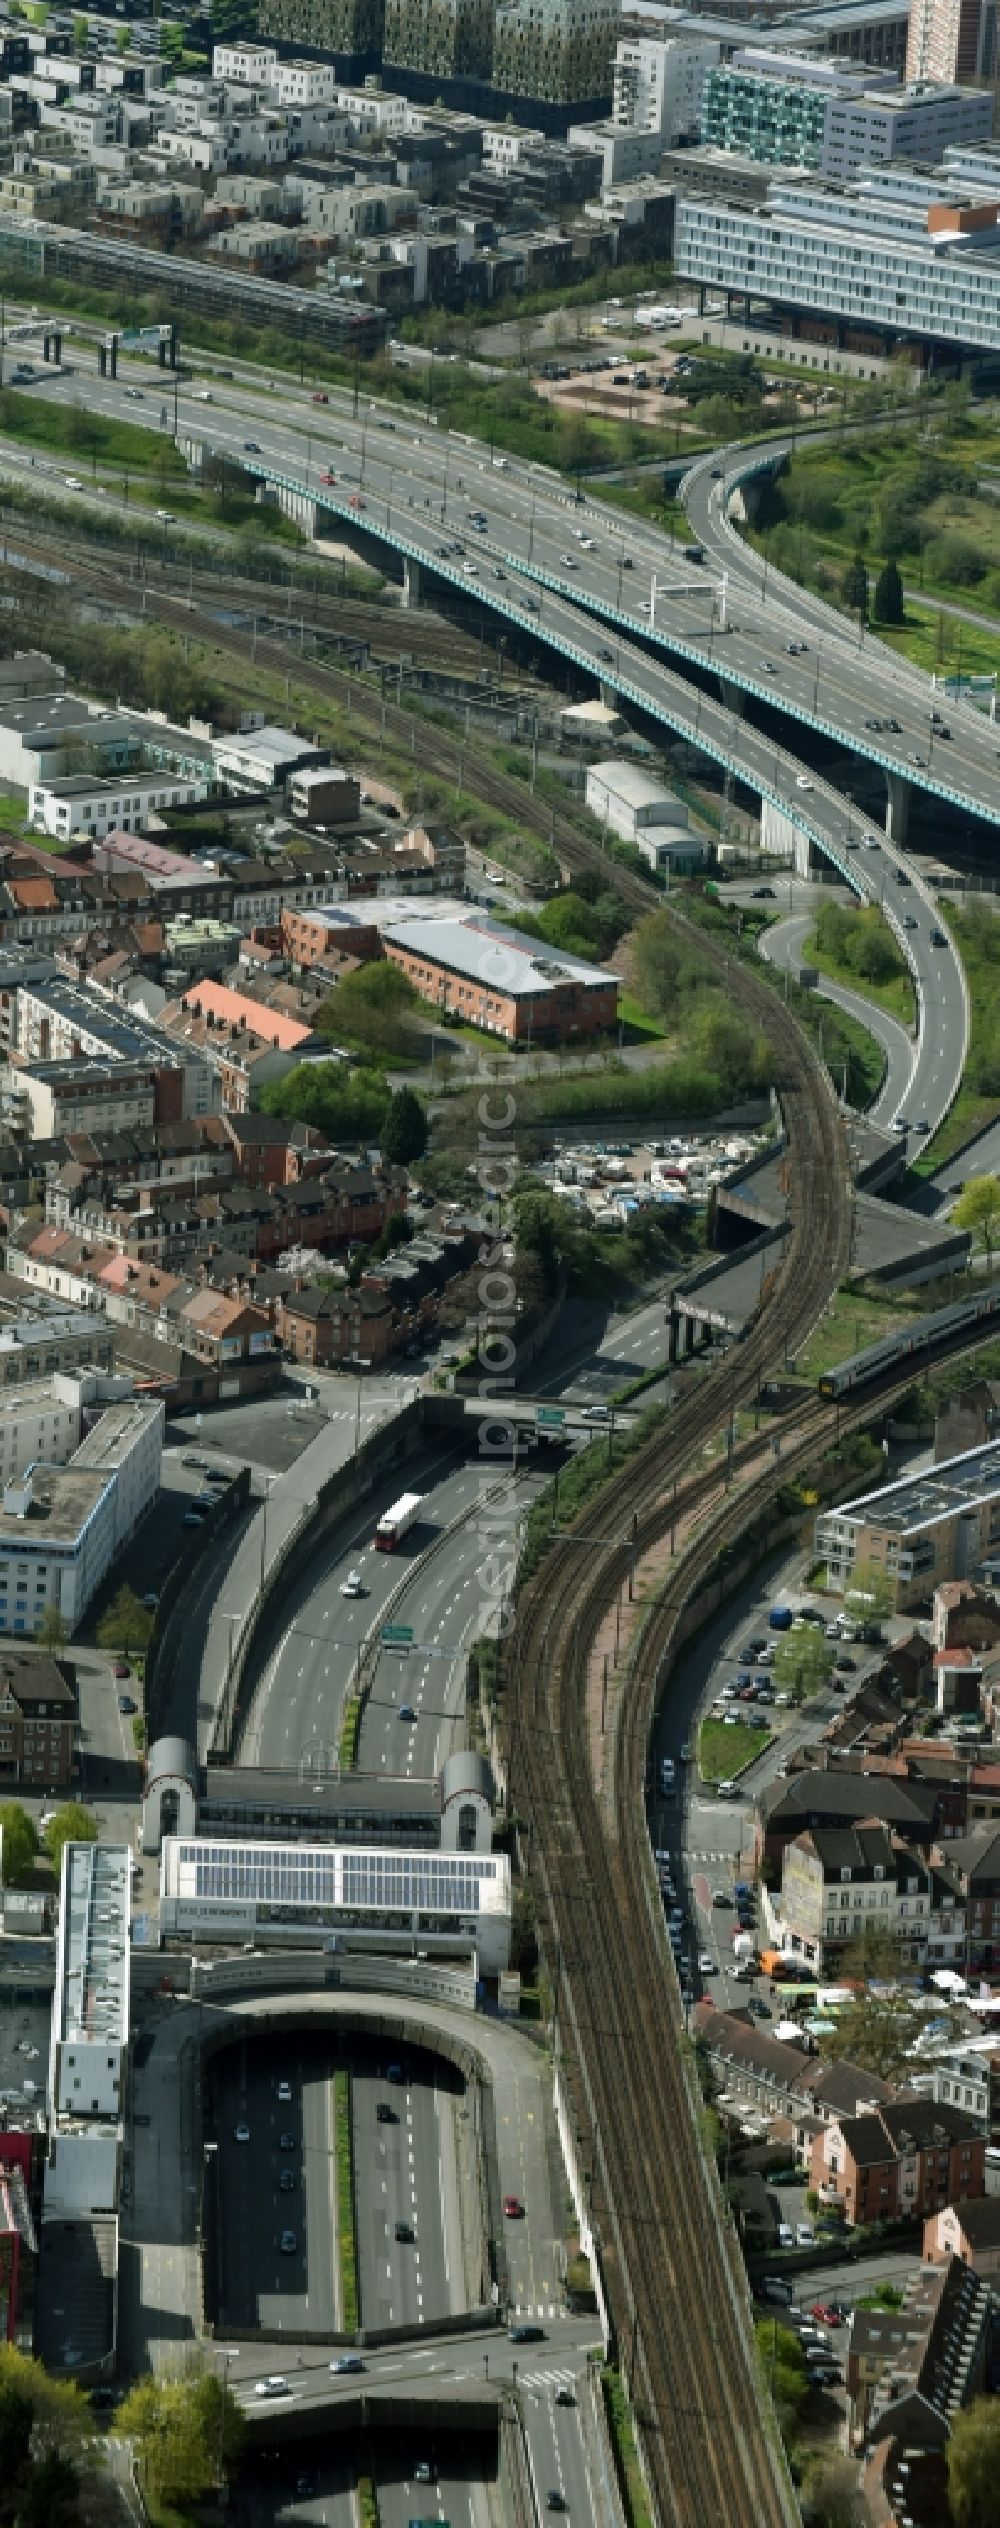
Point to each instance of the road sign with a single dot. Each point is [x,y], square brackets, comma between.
[397,1636]
[550,1417]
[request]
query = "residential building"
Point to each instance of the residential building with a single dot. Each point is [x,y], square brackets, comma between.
[892,256]
[172,883]
[909,2371]
[558,51]
[57,1021]
[776,2076]
[348,28]
[36,1346]
[84,1096]
[503,981]
[658,82]
[791,111]
[60,1527]
[18,2247]
[840,1882]
[934,1526]
[975,1860]
[39,1721]
[841,1796]
[903,2159]
[970,2231]
[39,1420]
[952,39]
[324,794]
[444,39]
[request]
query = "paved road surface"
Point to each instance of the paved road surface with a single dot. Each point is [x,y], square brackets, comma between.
[258,2284]
[782,945]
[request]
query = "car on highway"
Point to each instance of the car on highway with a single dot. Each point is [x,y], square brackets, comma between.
[252,447]
[241,2133]
[524,2334]
[513,2207]
[706,1964]
[761,895]
[272,2386]
[288,2243]
[347,2365]
[896,726]
[121,1668]
[356,501]
[900,1123]
[385,2114]
[569,561]
[353,1586]
[286,2141]
[287,2181]
[193,1518]
[555,2500]
[406,1712]
[328,475]
[802,781]
[284,2093]
[565,2396]
[127,1704]
[403,2232]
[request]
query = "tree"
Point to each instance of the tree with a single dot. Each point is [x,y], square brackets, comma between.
[978,1209]
[404,1133]
[875,2031]
[48,2449]
[187,2433]
[889,594]
[20,1841]
[803,1661]
[854,587]
[71,1824]
[373,1008]
[53,1631]
[127,1626]
[832,2497]
[870,1596]
[973,2462]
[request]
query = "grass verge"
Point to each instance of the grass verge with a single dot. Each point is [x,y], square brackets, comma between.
[895,996]
[350,1732]
[347,2253]
[855,1319]
[621,2431]
[723,1751]
[71,430]
[368,2502]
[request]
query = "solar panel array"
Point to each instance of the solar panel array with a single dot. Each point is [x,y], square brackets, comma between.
[328,1875]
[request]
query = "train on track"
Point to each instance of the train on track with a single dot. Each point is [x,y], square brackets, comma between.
[925,1335]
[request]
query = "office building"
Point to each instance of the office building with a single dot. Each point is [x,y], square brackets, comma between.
[933,1526]
[890,257]
[559,51]
[788,111]
[89,2032]
[658,82]
[385,1899]
[952,39]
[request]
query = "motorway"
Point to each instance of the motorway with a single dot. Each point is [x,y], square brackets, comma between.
[406,2175]
[443,1585]
[782,945]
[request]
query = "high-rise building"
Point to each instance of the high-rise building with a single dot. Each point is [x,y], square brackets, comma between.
[446,39]
[952,39]
[333,26]
[559,51]
[789,111]
[658,82]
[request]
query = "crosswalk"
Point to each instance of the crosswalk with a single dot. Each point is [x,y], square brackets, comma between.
[540,2385]
[535,2308]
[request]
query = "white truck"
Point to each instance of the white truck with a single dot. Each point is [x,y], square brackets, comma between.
[394,1524]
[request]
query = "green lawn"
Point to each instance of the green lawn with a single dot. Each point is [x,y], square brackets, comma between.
[854,1319]
[723,1751]
[943,643]
[639,1027]
[71,430]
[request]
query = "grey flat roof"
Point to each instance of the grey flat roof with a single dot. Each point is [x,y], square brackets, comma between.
[62,1500]
[94,1936]
[940,1492]
[507,961]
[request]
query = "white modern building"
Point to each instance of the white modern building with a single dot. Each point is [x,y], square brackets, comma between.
[81,804]
[897,254]
[38,1421]
[447,1904]
[61,1526]
[89,2031]
[658,83]
[789,110]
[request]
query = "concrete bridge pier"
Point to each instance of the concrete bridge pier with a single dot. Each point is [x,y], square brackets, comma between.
[412,583]
[779,834]
[897,807]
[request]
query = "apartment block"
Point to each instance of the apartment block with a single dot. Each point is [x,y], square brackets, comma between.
[52,1339]
[39,1719]
[559,51]
[351,27]
[658,83]
[952,39]
[839,1882]
[445,39]
[927,1528]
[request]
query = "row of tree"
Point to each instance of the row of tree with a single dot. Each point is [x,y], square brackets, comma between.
[71,1823]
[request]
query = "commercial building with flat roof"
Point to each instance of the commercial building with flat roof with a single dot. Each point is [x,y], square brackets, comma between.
[504,981]
[450,1904]
[89,2034]
[61,1526]
[792,111]
[893,255]
[937,1525]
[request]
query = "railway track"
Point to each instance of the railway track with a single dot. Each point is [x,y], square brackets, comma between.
[709,2449]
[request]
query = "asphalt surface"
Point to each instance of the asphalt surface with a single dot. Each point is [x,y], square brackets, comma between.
[444,1588]
[782,945]
[259,2285]
[405,2173]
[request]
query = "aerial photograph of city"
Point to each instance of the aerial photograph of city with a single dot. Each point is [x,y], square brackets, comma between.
[500,1264]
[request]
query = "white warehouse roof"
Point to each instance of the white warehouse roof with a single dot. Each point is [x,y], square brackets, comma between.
[507,961]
